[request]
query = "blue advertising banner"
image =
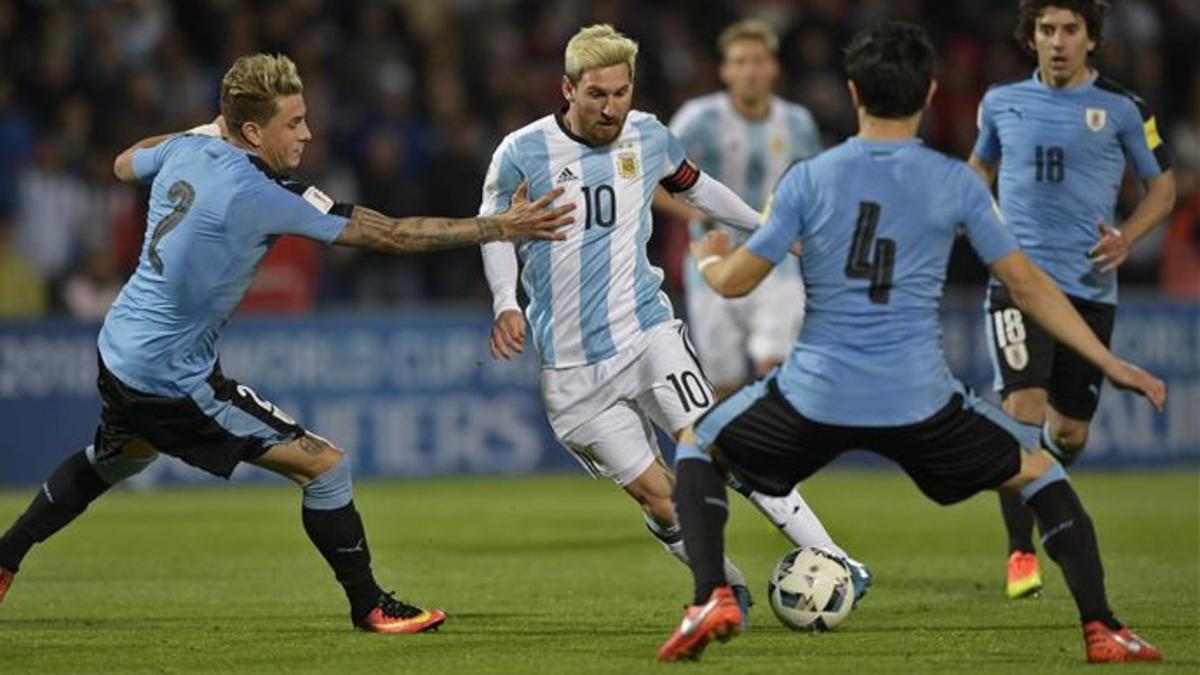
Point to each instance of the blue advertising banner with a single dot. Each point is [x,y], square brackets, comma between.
[415,393]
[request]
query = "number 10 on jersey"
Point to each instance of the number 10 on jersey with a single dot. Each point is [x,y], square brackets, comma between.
[601,203]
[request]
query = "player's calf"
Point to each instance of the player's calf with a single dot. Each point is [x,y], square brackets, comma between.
[62,498]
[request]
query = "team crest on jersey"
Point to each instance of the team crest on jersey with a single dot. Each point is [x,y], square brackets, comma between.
[778,146]
[627,165]
[1095,118]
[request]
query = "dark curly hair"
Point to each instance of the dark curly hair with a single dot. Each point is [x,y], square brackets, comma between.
[891,66]
[1092,11]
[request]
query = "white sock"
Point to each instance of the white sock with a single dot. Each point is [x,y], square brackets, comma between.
[796,520]
[672,539]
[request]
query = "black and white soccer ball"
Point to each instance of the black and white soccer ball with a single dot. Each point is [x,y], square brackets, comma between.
[810,589]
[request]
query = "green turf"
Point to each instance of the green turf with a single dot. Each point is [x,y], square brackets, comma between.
[556,574]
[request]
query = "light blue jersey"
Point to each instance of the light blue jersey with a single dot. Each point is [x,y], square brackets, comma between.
[214,212]
[877,220]
[595,293]
[1062,155]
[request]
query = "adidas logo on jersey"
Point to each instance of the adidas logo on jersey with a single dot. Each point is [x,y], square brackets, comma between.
[566,175]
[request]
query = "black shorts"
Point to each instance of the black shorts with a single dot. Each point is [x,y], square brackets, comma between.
[219,425]
[1025,356]
[766,445]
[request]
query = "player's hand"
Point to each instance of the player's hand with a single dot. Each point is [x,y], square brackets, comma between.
[534,220]
[1111,251]
[508,335]
[715,243]
[1125,375]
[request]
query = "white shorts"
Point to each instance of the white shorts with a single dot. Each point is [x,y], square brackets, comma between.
[603,412]
[763,325]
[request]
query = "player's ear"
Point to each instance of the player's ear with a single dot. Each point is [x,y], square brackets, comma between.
[252,133]
[568,89]
[853,93]
[932,91]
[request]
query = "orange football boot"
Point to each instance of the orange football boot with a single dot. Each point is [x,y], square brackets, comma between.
[719,618]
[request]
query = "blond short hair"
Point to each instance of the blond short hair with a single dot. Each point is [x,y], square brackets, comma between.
[253,84]
[598,46]
[749,29]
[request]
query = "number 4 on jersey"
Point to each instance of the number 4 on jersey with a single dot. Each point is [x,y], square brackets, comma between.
[860,265]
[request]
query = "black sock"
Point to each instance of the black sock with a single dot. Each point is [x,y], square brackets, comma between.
[1068,536]
[703,509]
[1018,520]
[338,534]
[65,495]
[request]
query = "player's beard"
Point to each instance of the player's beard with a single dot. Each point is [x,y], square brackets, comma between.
[605,134]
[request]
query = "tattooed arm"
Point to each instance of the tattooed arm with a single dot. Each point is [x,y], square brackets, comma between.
[524,219]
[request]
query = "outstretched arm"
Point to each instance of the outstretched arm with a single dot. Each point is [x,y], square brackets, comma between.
[720,203]
[731,275]
[1036,294]
[524,219]
[123,165]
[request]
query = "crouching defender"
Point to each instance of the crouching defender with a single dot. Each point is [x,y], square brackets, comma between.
[877,216]
[215,209]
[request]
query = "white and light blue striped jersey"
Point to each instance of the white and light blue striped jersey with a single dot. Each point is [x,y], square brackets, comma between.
[594,293]
[746,155]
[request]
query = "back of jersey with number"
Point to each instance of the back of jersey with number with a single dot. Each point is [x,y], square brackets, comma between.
[1062,155]
[877,220]
[214,211]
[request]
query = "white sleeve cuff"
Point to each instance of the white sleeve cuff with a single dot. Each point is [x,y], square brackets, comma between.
[501,269]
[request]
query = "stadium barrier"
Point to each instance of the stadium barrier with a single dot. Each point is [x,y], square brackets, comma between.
[415,393]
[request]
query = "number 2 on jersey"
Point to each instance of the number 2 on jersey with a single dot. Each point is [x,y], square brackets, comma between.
[182,194]
[859,265]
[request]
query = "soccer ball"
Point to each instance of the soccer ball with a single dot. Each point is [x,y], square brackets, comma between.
[810,589]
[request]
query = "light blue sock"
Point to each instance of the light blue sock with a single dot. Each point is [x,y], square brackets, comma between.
[690,451]
[1052,475]
[331,490]
[118,467]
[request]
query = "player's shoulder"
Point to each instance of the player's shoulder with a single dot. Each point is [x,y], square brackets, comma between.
[696,110]
[794,111]
[944,164]
[644,120]
[536,127]
[1016,86]
[1122,95]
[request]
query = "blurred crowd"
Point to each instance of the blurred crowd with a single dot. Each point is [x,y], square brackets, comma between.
[408,98]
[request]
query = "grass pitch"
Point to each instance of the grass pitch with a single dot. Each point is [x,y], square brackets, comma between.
[556,574]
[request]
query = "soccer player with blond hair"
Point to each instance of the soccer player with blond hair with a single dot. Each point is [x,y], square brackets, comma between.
[615,361]
[219,197]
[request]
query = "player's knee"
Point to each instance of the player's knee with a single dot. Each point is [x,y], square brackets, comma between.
[1070,438]
[132,460]
[1026,405]
[333,487]
[1034,467]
